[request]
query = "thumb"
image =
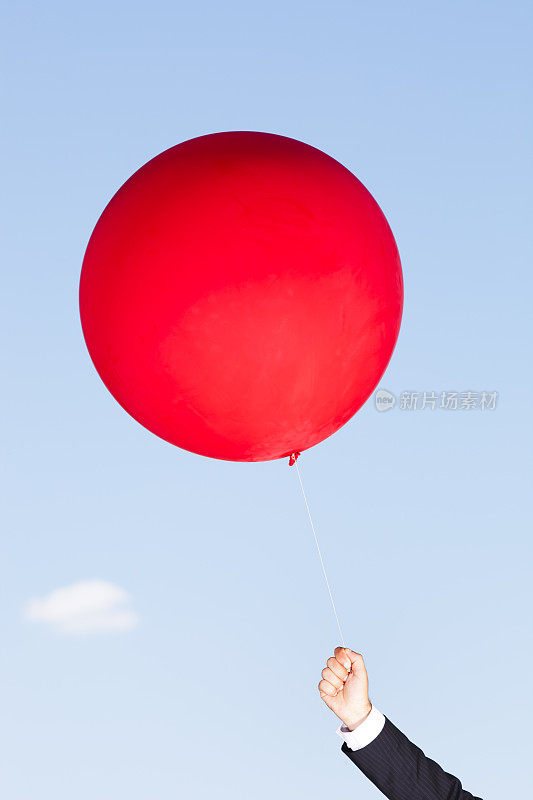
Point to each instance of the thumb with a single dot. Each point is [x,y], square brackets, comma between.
[356,660]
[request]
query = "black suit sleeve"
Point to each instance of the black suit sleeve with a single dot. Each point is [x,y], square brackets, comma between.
[401,770]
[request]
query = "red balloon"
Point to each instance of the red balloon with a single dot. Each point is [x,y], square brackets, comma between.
[241,295]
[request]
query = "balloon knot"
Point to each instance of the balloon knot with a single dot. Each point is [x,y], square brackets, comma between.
[293,458]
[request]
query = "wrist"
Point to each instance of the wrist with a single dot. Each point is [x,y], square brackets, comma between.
[352,721]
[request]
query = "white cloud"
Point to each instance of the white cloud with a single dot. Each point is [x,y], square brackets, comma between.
[86,607]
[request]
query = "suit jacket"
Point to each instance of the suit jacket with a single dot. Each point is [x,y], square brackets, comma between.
[401,770]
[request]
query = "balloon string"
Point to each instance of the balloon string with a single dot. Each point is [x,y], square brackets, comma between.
[319,552]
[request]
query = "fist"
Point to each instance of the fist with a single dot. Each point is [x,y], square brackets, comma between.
[344,687]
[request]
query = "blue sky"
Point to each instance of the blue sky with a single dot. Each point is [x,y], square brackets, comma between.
[424,516]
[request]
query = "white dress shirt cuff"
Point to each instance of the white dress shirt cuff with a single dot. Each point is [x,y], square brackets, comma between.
[365,733]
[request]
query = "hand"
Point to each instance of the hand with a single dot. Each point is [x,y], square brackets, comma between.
[344,687]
